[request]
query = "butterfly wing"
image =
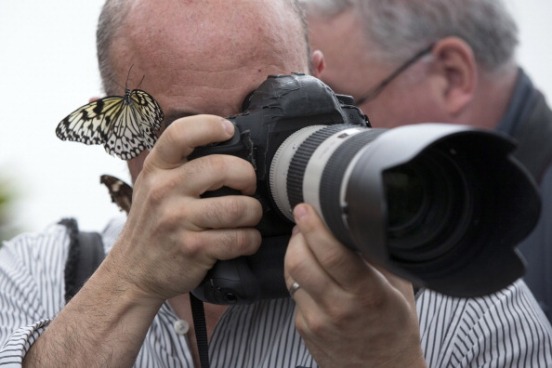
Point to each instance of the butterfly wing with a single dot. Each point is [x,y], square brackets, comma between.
[125,135]
[120,192]
[124,125]
[151,116]
[89,124]
[138,126]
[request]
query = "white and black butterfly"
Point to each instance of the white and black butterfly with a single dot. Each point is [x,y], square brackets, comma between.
[119,191]
[125,125]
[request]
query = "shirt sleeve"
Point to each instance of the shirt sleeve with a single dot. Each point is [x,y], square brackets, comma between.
[19,342]
[32,290]
[506,329]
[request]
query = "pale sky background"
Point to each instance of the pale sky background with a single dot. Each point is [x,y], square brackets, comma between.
[48,68]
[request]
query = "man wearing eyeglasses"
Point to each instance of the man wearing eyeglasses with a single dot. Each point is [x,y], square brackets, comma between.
[408,62]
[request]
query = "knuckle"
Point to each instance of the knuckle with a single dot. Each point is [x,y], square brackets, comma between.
[193,244]
[294,264]
[341,314]
[241,242]
[248,240]
[235,208]
[296,261]
[313,324]
[170,135]
[160,189]
[238,239]
[334,260]
[233,211]
[171,221]
[214,213]
[256,210]
[217,163]
[227,239]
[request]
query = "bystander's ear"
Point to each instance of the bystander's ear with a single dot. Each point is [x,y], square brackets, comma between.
[456,74]
[318,63]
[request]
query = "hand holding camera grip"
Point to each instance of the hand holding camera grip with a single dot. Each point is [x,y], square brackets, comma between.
[229,282]
[245,280]
[233,146]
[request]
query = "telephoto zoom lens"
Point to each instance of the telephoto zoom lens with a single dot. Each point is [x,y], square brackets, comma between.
[434,203]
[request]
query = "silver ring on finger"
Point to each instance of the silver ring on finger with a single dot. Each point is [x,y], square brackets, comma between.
[293,288]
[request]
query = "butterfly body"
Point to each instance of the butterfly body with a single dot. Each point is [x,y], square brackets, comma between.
[125,125]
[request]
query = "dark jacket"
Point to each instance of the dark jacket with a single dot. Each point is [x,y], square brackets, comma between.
[529,121]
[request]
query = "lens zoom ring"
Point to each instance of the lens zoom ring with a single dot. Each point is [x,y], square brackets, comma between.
[301,158]
[332,178]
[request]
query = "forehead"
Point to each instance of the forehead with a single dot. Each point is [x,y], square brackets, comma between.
[205,56]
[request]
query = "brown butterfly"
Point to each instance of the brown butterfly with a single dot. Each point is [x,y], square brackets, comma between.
[120,192]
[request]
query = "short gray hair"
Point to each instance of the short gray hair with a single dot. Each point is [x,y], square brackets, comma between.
[110,21]
[326,8]
[400,28]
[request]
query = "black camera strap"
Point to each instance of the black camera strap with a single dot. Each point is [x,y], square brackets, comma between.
[86,252]
[200,328]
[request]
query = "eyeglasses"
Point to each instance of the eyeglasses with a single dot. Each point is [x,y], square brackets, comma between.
[374,92]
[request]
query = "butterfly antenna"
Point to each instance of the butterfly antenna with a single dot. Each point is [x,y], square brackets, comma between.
[128,77]
[139,84]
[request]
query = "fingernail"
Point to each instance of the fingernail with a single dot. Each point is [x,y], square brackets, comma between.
[228,126]
[299,212]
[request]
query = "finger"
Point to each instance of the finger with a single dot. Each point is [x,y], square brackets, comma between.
[223,244]
[342,264]
[224,212]
[301,266]
[215,171]
[183,135]
[318,291]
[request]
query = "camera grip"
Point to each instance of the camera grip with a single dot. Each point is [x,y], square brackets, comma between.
[245,280]
[229,282]
[237,146]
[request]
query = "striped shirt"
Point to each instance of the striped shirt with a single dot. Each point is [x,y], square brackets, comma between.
[506,329]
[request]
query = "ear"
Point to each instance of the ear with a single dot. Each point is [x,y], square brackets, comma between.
[457,68]
[318,64]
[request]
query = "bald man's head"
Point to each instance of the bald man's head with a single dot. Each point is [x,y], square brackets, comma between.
[201,35]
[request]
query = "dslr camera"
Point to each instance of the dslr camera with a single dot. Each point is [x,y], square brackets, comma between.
[441,205]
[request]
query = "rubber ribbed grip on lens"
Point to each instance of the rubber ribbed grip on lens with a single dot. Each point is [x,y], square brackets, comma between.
[332,180]
[301,158]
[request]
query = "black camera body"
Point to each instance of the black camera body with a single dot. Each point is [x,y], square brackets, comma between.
[441,205]
[282,105]
[278,108]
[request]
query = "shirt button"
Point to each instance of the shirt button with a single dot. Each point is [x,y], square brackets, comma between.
[181,327]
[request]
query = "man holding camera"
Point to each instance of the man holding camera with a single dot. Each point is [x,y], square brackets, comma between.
[200,60]
[418,61]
